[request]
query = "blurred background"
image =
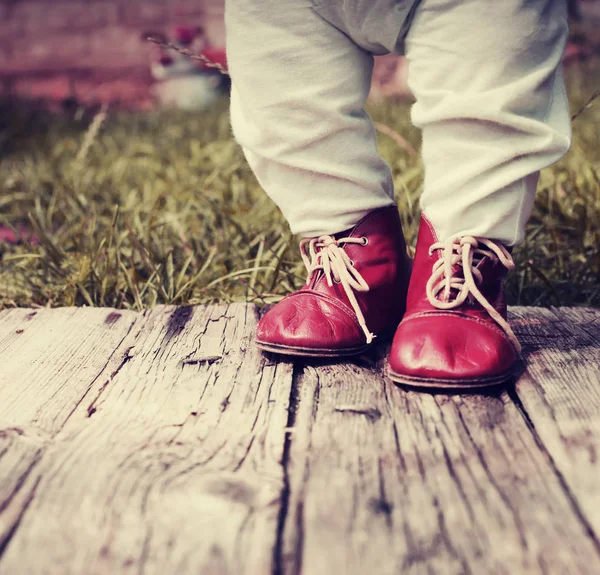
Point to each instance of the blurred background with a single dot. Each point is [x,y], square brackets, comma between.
[121,185]
[92,51]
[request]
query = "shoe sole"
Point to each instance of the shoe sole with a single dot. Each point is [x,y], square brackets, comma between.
[407,380]
[435,383]
[310,352]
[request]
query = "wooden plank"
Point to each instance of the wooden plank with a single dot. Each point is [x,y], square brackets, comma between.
[49,359]
[173,462]
[13,323]
[560,394]
[383,480]
[10,322]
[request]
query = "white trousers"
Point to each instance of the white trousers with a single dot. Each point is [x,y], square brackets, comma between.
[490,100]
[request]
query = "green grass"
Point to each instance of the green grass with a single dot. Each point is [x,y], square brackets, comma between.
[162,208]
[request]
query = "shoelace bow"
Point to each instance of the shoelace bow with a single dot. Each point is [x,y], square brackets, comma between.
[325,253]
[466,252]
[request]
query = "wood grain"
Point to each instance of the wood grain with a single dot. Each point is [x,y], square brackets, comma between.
[164,442]
[560,395]
[49,360]
[10,322]
[419,483]
[173,462]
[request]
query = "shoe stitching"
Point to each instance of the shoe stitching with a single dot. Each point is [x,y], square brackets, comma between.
[433,232]
[456,314]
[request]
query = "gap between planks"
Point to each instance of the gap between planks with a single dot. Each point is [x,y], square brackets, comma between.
[188,423]
[529,500]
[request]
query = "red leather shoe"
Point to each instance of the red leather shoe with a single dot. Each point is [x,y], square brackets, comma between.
[355,291]
[454,333]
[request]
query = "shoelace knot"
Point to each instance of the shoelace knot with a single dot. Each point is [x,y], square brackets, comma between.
[327,254]
[466,252]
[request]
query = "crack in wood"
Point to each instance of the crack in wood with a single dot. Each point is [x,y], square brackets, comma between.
[14,507]
[145,551]
[570,496]
[243,458]
[178,320]
[388,407]
[451,470]
[371,413]
[11,431]
[349,471]
[9,533]
[209,359]
[279,567]
[126,358]
[518,523]
[382,505]
[100,372]
[296,563]
[112,317]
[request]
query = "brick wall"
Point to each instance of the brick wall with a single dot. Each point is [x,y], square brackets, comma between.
[90,49]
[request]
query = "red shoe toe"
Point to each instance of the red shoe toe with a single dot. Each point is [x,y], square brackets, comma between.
[457,350]
[309,324]
[454,333]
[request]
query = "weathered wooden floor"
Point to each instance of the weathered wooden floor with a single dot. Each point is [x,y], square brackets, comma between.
[165,443]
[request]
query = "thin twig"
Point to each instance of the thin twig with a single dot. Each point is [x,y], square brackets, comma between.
[396,137]
[380,127]
[189,54]
[587,105]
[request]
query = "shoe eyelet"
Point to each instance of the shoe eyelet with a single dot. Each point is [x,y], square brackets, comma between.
[365,241]
[352,263]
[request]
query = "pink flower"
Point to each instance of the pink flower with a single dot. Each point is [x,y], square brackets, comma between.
[9,237]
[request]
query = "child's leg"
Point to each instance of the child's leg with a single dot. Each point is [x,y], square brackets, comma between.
[298,89]
[492,106]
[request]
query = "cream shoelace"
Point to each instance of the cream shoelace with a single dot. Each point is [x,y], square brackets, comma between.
[325,253]
[466,252]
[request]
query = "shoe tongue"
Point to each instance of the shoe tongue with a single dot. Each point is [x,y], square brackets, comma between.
[315,279]
[345,233]
[458,274]
[485,265]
